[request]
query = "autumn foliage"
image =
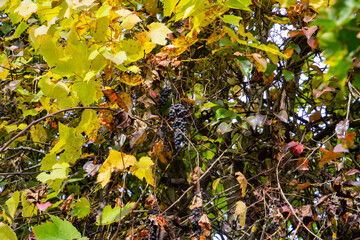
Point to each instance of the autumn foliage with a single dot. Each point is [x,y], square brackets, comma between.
[178,119]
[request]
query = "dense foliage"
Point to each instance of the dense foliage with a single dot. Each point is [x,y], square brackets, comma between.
[179,119]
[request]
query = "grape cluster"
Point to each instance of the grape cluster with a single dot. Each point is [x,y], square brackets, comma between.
[165,137]
[89,226]
[178,114]
[164,96]
[155,210]
[196,215]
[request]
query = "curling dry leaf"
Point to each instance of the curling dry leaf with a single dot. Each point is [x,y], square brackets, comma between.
[205,225]
[328,156]
[197,202]
[243,183]
[240,211]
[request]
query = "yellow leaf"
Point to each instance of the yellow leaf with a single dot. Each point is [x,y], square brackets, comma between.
[38,134]
[130,21]
[240,211]
[104,174]
[89,124]
[215,183]
[158,33]
[242,180]
[142,169]
[26,8]
[136,80]
[115,161]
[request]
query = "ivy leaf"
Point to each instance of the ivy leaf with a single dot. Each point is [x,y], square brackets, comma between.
[26,8]
[57,229]
[158,33]
[142,169]
[6,233]
[110,215]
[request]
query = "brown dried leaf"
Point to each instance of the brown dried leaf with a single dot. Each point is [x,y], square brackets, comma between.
[196,202]
[147,101]
[314,117]
[65,206]
[137,137]
[243,183]
[150,201]
[205,225]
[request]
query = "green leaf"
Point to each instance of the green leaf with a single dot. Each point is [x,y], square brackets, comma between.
[110,215]
[288,75]
[70,142]
[81,208]
[89,124]
[239,4]
[6,233]
[231,19]
[103,11]
[287,3]
[169,6]
[87,92]
[59,171]
[19,30]
[222,113]
[12,203]
[38,134]
[56,230]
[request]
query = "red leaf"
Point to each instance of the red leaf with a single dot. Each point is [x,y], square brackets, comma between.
[302,164]
[303,186]
[352,172]
[43,206]
[349,140]
[317,93]
[313,42]
[294,147]
[308,31]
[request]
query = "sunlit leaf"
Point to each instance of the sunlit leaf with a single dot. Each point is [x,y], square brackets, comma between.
[26,7]
[142,169]
[6,233]
[158,33]
[110,215]
[57,229]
